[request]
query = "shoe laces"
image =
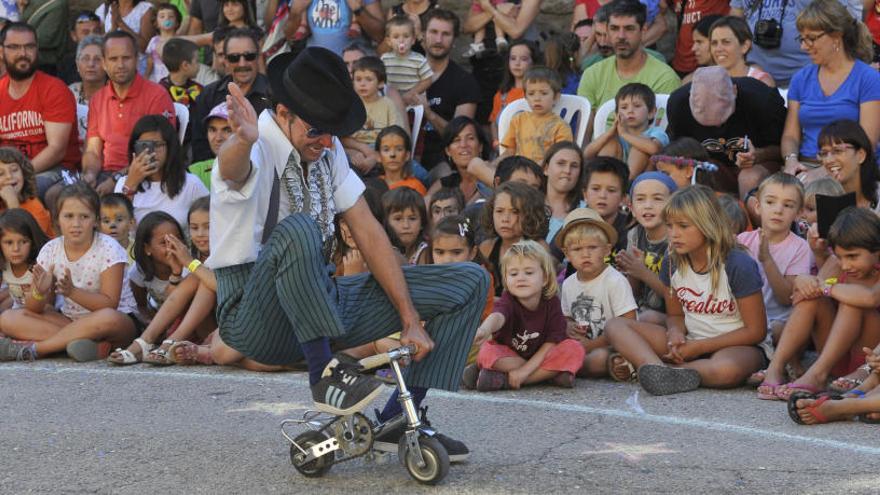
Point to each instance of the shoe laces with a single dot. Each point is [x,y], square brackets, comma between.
[423,416]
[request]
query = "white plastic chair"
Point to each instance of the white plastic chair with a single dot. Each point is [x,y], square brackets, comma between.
[182,119]
[418,112]
[603,115]
[573,109]
[82,121]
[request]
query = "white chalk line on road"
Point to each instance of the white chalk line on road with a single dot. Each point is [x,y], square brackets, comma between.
[300,379]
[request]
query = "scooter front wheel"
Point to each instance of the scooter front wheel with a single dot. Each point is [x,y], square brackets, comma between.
[436,460]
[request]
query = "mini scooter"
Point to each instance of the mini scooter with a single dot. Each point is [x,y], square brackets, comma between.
[331,439]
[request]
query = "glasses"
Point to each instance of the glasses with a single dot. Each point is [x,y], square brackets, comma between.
[314,132]
[838,150]
[141,145]
[233,58]
[808,41]
[30,47]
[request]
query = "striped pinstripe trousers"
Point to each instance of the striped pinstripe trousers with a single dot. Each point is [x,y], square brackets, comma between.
[265,308]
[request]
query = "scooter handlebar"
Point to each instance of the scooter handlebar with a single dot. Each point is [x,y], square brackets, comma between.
[386,357]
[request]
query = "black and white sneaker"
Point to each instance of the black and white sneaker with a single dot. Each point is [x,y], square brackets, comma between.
[392,431]
[344,391]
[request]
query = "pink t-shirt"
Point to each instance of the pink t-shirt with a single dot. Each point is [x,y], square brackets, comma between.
[792,256]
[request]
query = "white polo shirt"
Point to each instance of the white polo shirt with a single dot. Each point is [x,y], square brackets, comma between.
[238,215]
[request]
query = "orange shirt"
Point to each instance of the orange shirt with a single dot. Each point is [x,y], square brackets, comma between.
[410,182]
[499,102]
[35,207]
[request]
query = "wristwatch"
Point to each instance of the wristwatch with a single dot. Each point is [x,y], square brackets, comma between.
[128,191]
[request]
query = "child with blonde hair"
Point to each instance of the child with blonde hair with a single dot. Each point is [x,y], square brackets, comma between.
[596,292]
[714,307]
[523,341]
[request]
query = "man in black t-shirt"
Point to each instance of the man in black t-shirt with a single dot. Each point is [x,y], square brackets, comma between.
[738,121]
[454,91]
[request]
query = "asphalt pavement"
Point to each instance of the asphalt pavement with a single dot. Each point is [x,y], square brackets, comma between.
[94,428]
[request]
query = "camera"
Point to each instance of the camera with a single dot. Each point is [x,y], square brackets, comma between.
[141,146]
[768,33]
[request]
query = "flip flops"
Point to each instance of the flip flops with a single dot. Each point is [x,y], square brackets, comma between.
[658,379]
[631,373]
[813,409]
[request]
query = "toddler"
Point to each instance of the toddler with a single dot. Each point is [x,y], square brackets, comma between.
[478,46]
[531,134]
[524,340]
[168,20]
[631,138]
[117,221]
[408,71]
[596,292]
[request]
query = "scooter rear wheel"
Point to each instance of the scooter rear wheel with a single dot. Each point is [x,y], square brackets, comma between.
[436,460]
[316,467]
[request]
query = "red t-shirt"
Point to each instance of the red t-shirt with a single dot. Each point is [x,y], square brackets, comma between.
[526,331]
[684,60]
[591,5]
[872,20]
[22,121]
[112,119]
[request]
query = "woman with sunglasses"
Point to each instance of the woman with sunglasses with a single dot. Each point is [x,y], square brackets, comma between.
[157,179]
[838,85]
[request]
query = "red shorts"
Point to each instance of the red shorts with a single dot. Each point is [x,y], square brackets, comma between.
[567,355]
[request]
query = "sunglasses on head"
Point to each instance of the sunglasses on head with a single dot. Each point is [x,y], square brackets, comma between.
[235,57]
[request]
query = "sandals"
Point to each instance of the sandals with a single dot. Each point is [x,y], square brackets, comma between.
[785,391]
[845,384]
[160,356]
[630,374]
[757,379]
[190,354]
[772,394]
[658,379]
[813,409]
[127,357]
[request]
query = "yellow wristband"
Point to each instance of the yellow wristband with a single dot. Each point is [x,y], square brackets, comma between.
[36,295]
[193,265]
[831,281]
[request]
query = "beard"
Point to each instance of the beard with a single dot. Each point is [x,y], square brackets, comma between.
[17,74]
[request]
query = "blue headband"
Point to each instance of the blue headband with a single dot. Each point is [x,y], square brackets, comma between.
[658,176]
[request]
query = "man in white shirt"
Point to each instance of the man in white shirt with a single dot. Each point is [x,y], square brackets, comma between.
[280,180]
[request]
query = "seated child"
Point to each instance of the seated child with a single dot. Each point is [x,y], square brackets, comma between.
[181,57]
[408,71]
[20,242]
[714,307]
[632,138]
[596,292]
[117,221]
[838,312]
[88,270]
[524,341]
[217,126]
[18,188]
[605,188]
[685,160]
[154,275]
[393,145]
[780,253]
[531,134]
[447,201]
[828,187]
[514,213]
[647,244]
[368,76]
[405,222]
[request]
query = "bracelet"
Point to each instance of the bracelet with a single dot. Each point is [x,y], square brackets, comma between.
[174,279]
[193,265]
[36,295]
[791,155]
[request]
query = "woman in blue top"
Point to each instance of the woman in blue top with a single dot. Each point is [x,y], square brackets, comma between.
[838,85]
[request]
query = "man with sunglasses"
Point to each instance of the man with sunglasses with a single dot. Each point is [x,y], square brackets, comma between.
[738,121]
[241,52]
[281,179]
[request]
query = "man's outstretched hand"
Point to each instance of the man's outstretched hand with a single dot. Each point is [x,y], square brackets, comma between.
[242,116]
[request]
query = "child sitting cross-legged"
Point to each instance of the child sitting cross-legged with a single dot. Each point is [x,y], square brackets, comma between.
[714,308]
[523,341]
[597,292]
[531,134]
[632,137]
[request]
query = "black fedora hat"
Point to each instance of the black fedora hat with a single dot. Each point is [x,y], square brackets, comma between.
[316,86]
